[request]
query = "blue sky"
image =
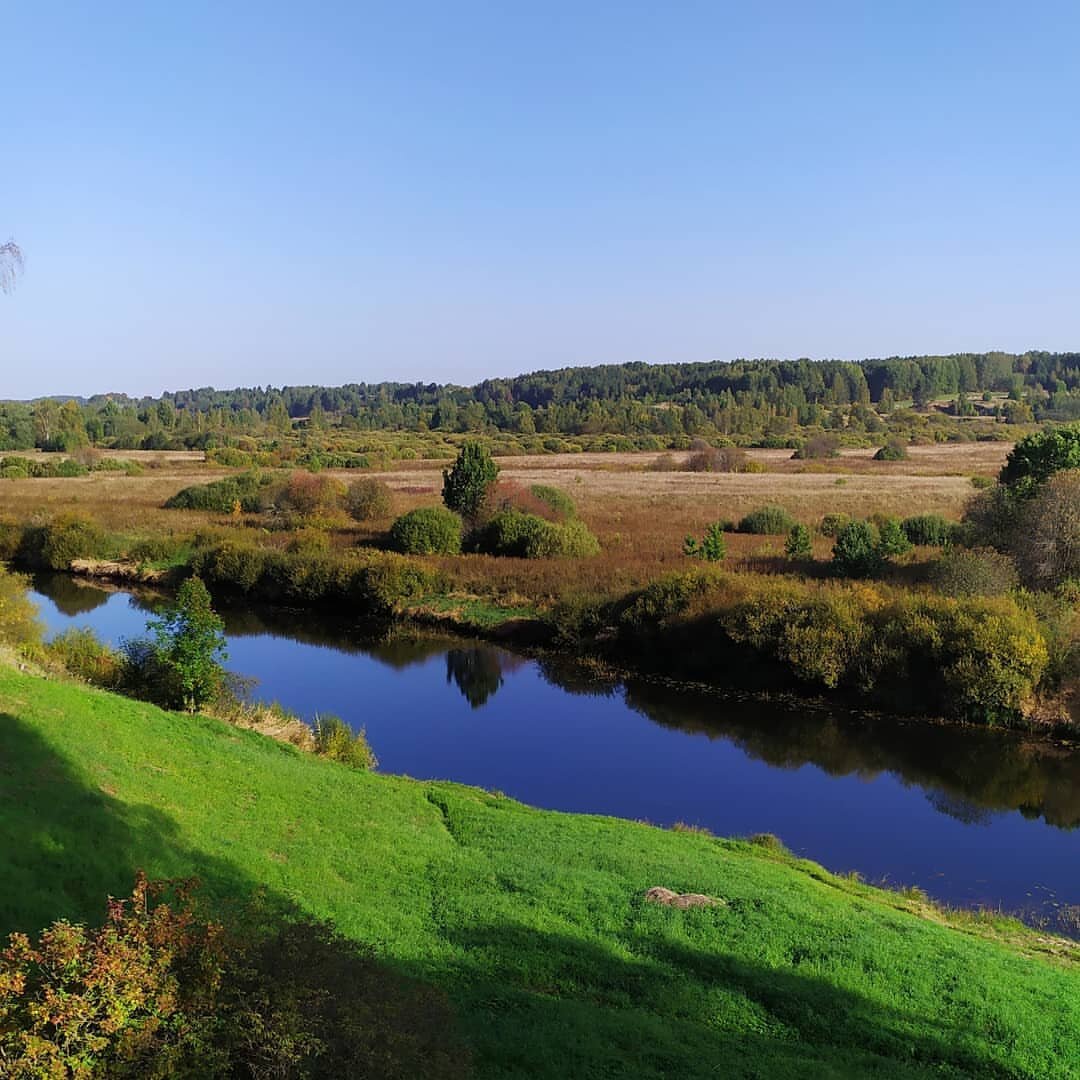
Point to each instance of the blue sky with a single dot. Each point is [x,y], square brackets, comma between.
[237,194]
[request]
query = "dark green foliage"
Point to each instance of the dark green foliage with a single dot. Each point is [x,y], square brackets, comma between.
[799,545]
[67,539]
[893,450]
[555,498]
[892,540]
[974,572]
[466,485]
[369,583]
[767,521]
[1036,457]
[334,739]
[525,536]
[369,499]
[712,547]
[190,642]
[928,530]
[857,551]
[430,530]
[223,496]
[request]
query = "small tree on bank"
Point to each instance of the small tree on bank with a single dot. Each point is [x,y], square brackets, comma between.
[190,643]
[466,485]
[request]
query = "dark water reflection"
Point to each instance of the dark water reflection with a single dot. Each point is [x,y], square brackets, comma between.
[972,816]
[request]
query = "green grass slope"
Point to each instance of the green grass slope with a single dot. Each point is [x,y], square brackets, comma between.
[532,921]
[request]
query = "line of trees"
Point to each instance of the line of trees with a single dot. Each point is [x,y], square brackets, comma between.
[744,399]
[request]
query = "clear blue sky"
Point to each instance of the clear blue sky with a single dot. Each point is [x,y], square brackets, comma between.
[236,194]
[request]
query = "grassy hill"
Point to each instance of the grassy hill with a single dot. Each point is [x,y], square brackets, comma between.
[532,921]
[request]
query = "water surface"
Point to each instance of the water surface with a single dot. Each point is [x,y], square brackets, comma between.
[972,816]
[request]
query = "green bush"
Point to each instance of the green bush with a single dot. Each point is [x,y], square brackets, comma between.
[856,552]
[892,539]
[767,521]
[369,499]
[928,530]
[557,500]
[515,534]
[334,739]
[223,496]
[712,547]
[82,654]
[430,530]
[799,545]
[70,538]
[893,450]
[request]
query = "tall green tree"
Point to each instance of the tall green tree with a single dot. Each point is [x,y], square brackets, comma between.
[190,642]
[466,485]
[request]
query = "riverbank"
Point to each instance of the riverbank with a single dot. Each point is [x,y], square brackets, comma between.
[534,922]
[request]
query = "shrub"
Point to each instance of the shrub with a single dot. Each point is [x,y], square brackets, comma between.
[231,563]
[891,539]
[81,654]
[799,545]
[893,450]
[928,530]
[308,495]
[526,536]
[69,468]
[430,530]
[334,739]
[977,572]
[706,458]
[466,485]
[70,538]
[767,521]
[712,546]
[556,499]
[1047,543]
[833,524]
[368,499]
[1036,457]
[856,552]
[222,496]
[159,991]
[818,447]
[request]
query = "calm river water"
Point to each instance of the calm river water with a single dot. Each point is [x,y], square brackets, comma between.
[973,817]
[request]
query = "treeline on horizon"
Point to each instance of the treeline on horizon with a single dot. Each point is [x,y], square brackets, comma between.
[761,401]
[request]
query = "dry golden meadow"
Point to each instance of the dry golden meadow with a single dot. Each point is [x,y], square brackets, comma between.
[640,515]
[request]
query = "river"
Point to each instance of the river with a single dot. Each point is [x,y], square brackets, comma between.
[974,817]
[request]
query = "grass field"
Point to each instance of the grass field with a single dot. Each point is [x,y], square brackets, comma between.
[640,516]
[533,921]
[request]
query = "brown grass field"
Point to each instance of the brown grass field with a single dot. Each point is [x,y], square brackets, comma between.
[640,516]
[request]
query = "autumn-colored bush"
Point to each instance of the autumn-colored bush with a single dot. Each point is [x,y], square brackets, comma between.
[369,499]
[162,991]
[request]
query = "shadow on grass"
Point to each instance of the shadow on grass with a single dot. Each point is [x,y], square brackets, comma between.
[65,846]
[546,1005]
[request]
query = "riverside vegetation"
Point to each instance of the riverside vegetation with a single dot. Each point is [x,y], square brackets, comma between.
[985,604]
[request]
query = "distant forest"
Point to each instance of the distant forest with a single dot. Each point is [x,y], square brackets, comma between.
[762,401]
